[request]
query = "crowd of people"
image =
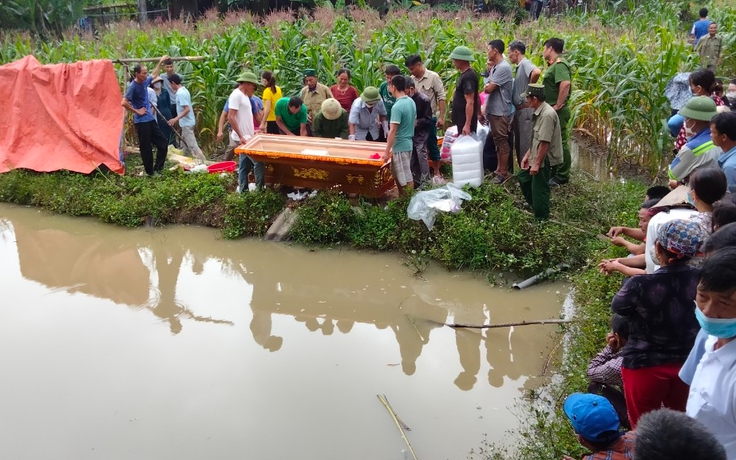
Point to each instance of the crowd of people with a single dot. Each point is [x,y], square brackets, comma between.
[668,371]
[672,345]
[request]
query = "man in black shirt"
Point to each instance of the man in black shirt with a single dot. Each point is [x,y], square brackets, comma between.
[419,157]
[465,101]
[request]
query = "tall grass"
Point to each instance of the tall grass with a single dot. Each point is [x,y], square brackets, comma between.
[621,62]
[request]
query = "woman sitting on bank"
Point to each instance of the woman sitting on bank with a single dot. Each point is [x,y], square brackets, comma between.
[662,324]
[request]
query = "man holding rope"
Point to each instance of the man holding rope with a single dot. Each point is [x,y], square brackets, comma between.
[149,134]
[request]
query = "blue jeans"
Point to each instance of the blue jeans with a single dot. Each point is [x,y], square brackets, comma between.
[259,169]
[674,124]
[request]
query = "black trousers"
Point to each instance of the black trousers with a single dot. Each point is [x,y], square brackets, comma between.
[149,134]
[272,128]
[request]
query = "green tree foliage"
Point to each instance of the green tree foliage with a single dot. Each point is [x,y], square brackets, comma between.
[45,18]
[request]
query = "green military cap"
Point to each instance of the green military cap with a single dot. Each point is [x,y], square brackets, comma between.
[701,108]
[533,89]
[462,53]
[248,77]
[370,95]
[310,73]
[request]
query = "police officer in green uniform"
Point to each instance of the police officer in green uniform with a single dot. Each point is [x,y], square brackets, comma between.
[545,153]
[557,80]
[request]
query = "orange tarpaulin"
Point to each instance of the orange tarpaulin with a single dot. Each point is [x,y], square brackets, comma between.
[61,116]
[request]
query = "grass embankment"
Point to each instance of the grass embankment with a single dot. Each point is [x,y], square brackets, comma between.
[491,233]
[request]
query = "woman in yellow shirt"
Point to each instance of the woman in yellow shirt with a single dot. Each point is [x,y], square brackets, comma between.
[271,95]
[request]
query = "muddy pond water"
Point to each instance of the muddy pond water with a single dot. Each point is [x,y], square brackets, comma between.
[176,344]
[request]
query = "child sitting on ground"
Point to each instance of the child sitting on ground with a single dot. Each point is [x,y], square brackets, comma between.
[604,371]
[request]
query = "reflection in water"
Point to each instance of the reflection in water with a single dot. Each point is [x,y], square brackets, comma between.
[157,334]
[146,276]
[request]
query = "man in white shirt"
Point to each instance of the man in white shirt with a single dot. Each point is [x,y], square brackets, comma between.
[712,397]
[240,117]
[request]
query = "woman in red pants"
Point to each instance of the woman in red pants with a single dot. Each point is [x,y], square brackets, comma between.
[662,324]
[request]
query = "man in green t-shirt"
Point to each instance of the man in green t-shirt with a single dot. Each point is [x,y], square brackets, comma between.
[399,143]
[557,81]
[388,98]
[291,116]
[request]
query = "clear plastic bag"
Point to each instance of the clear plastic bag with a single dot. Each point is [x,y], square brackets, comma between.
[424,205]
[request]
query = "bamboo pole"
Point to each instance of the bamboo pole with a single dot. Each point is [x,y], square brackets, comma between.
[156,59]
[520,323]
[398,424]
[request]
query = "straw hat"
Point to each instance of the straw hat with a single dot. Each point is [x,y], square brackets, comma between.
[370,95]
[701,108]
[462,53]
[331,109]
[676,197]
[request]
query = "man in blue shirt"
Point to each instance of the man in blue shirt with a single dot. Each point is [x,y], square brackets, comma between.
[149,134]
[185,118]
[700,27]
[723,134]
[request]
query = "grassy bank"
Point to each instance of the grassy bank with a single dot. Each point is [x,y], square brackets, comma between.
[491,233]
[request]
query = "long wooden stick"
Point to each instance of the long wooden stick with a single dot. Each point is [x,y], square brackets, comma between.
[406,427]
[398,425]
[156,59]
[520,323]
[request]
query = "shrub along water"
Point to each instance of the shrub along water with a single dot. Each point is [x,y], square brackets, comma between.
[622,56]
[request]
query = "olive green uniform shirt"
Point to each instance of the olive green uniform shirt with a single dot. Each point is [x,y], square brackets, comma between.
[709,49]
[553,76]
[314,99]
[546,129]
[331,129]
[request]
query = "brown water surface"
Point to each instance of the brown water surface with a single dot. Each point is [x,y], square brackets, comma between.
[174,344]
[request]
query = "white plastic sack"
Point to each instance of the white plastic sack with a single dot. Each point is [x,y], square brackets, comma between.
[424,205]
[467,161]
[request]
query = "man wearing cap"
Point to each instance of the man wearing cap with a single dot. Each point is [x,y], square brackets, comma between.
[596,427]
[314,94]
[545,152]
[430,84]
[136,100]
[557,81]
[185,118]
[699,151]
[332,121]
[365,115]
[399,142]
[240,116]
[291,116]
[465,100]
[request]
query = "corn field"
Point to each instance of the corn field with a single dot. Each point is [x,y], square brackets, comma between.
[622,59]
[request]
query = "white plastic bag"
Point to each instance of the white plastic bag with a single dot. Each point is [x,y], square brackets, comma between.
[467,161]
[424,205]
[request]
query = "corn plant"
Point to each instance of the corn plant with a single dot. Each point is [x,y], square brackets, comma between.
[622,56]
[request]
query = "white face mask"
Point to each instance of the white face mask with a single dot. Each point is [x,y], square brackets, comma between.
[731,95]
[688,131]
